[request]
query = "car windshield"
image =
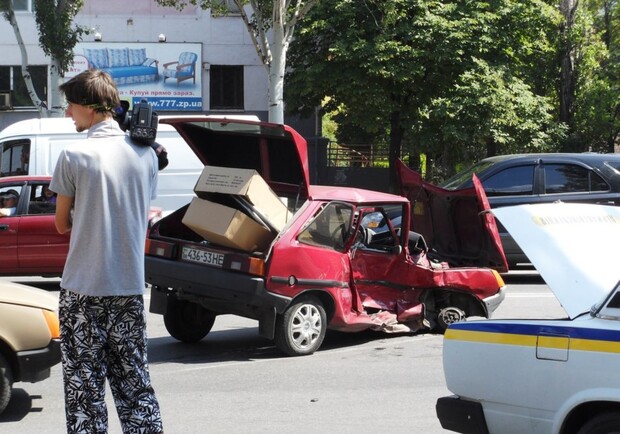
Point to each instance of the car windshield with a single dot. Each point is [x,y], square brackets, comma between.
[611,304]
[463,178]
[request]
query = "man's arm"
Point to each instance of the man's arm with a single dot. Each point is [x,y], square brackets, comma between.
[63,213]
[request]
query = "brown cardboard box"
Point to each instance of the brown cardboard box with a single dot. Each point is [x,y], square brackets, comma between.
[250,185]
[226,226]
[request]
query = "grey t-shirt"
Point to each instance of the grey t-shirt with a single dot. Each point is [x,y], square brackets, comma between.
[113,181]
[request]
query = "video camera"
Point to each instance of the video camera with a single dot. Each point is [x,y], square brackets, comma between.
[142,125]
[141,121]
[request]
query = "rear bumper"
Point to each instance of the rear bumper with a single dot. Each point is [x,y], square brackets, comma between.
[462,416]
[34,365]
[221,291]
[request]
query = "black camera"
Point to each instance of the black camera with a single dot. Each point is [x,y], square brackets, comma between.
[142,125]
[141,121]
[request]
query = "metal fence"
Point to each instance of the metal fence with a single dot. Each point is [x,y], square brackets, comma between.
[356,156]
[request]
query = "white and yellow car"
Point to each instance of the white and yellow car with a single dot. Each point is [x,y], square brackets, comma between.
[559,376]
[29,336]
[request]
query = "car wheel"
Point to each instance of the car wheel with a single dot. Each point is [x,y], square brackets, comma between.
[301,329]
[606,423]
[6,382]
[447,316]
[188,322]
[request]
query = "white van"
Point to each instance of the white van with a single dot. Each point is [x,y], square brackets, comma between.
[31,147]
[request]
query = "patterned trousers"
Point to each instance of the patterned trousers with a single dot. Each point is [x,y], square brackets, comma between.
[105,338]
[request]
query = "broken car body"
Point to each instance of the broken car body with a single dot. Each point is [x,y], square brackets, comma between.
[346,259]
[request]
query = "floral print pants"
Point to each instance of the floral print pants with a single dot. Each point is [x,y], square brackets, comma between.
[105,338]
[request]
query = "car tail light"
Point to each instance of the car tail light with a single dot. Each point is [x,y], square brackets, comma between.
[256,266]
[159,248]
[52,323]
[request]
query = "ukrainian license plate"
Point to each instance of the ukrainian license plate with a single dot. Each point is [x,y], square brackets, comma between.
[202,256]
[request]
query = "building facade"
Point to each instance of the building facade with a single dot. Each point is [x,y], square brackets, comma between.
[180,61]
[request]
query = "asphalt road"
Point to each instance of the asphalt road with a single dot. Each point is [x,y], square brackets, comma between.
[234,381]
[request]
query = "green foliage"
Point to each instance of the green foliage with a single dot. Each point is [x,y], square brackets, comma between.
[57,33]
[217,6]
[460,79]
[597,104]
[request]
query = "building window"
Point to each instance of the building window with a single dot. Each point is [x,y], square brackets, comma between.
[229,6]
[11,79]
[226,87]
[22,5]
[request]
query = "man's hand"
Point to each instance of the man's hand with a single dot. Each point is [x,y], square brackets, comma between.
[63,221]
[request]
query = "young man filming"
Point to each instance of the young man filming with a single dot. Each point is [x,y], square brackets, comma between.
[104,184]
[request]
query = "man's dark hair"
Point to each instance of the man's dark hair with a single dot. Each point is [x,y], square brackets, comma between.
[93,88]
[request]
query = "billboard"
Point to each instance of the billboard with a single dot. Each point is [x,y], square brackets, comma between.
[167,75]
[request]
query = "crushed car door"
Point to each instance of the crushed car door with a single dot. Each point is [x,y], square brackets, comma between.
[380,266]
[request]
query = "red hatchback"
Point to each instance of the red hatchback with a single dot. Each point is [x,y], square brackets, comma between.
[346,259]
[29,242]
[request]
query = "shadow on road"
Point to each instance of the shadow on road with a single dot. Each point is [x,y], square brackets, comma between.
[245,344]
[20,405]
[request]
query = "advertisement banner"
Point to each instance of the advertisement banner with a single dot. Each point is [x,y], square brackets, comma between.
[167,75]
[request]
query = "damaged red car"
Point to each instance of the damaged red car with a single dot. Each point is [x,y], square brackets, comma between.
[345,259]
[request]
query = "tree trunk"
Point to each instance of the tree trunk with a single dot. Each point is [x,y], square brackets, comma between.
[276,74]
[396,140]
[567,64]
[57,110]
[40,105]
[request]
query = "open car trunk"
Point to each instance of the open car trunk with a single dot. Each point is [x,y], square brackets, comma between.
[275,152]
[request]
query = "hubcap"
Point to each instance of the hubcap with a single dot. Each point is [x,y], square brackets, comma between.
[306,326]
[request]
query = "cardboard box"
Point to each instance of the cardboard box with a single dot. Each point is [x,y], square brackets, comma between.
[248,184]
[226,226]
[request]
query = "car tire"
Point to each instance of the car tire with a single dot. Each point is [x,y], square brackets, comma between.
[300,330]
[449,315]
[6,382]
[602,424]
[188,322]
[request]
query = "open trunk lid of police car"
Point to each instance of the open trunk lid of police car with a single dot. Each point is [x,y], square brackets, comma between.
[574,247]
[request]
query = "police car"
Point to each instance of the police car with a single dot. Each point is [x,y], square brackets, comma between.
[555,376]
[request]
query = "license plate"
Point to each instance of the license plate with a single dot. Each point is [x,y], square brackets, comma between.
[202,256]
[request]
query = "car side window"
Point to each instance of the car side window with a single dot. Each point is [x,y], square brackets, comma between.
[330,227]
[377,226]
[15,157]
[518,180]
[570,178]
[42,200]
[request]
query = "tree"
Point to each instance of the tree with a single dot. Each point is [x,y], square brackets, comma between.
[277,18]
[57,38]
[597,91]
[444,76]
[9,14]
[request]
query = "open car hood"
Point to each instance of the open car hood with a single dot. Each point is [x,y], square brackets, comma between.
[456,224]
[573,246]
[277,152]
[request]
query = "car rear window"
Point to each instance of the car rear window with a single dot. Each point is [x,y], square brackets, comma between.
[570,178]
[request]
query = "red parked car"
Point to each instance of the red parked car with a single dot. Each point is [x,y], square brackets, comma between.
[347,259]
[29,242]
